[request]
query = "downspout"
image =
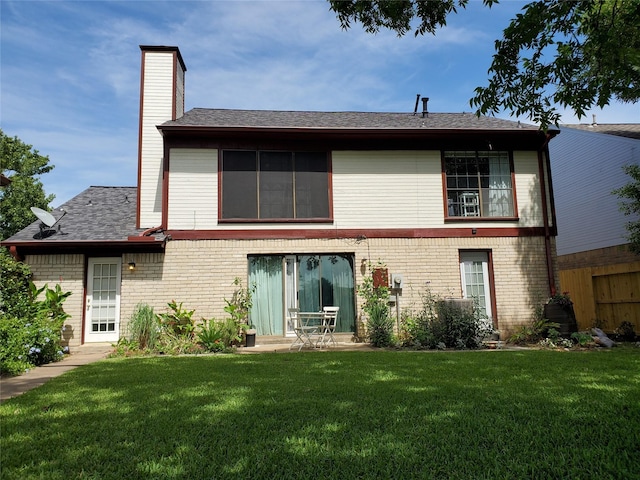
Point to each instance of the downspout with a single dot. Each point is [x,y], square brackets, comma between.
[542,153]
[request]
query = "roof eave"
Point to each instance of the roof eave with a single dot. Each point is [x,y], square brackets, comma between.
[133,244]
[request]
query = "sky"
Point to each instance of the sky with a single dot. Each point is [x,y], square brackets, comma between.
[70,71]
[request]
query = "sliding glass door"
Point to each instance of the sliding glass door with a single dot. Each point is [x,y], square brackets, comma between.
[307,282]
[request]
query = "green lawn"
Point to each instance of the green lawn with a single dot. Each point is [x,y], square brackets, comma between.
[341,415]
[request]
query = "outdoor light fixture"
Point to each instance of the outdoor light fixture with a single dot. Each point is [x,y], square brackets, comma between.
[132,266]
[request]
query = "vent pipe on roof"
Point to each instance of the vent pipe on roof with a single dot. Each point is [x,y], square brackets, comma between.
[415,109]
[425,112]
[594,123]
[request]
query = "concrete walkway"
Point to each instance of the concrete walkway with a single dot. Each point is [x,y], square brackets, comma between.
[13,386]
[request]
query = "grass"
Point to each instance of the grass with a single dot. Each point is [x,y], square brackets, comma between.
[334,415]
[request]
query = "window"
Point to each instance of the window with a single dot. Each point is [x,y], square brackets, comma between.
[268,185]
[478,184]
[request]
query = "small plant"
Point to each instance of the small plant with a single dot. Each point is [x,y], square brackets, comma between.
[211,336]
[239,306]
[625,332]
[178,319]
[557,342]
[582,338]
[218,335]
[144,327]
[376,307]
[380,326]
[562,299]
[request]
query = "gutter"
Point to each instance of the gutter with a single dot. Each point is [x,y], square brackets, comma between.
[543,152]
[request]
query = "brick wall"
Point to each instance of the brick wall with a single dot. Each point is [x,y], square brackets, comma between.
[68,272]
[200,273]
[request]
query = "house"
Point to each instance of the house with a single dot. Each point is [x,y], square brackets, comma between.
[302,205]
[596,266]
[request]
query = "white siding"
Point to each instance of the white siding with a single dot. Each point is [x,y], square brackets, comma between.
[528,193]
[371,189]
[586,167]
[157,108]
[387,189]
[193,187]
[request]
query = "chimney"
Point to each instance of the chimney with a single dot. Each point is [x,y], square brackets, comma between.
[425,111]
[161,100]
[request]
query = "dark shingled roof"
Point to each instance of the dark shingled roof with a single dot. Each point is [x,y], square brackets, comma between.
[99,214]
[222,118]
[629,130]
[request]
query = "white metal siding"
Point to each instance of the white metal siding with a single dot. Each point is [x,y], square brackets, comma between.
[388,189]
[371,189]
[586,167]
[193,187]
[528,193]
[157,108]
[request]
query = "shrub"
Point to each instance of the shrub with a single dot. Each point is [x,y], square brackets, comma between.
[34,337]
[376,306]
[217,336]
[456,326]
[625,332]
[178,320]
[444,324]
[582,338]
[144,328]
[380,326]
[24,345]
[15,292]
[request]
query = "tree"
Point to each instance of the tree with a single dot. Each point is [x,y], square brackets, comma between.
[21,165]
[630,205]
[573,54]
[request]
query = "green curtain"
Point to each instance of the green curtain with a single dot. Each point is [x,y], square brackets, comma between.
[337,283]
[309,283]
[267,312]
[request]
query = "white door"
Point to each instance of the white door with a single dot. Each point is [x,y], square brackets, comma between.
[102,309]
[474,273]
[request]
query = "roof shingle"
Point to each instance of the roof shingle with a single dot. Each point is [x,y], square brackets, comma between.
[222,118]
[97,214]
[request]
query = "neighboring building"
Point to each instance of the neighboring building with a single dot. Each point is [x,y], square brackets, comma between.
[301,204]
[596,266]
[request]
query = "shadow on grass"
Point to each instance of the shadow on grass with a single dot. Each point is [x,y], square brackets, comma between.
[339,415]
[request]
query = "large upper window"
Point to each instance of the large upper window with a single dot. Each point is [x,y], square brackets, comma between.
[267,185]
[478,184]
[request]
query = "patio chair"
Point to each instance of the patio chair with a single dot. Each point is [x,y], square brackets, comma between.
[329,325]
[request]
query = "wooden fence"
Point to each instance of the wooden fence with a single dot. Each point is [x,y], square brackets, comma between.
[604,296]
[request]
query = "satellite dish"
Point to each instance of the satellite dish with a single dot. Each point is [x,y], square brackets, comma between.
[44,216]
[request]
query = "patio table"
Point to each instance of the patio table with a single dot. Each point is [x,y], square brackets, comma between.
[309,330]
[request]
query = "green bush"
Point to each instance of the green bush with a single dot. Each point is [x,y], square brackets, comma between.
[376,307]
[444,324]
[380,326]
[15,293]
[144,327]
[34,337]
[178,319]
[456,326]
[24,345]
